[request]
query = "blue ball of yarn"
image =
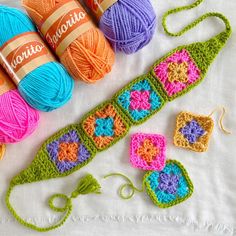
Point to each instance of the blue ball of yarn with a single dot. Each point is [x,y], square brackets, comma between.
[49,86]
[129,25]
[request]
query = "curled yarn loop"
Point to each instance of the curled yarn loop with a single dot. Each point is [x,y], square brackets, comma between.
[123,187]
[89,57]
[49,86]
[87,185]
[220,122]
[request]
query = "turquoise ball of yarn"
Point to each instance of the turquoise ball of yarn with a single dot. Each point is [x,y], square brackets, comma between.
[49,86]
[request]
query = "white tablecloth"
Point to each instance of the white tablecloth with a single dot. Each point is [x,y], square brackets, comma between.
[212,208]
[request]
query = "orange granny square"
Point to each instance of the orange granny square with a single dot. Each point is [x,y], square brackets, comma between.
[193,131]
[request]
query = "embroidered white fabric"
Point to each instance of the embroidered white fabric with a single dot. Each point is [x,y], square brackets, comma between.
[211,209]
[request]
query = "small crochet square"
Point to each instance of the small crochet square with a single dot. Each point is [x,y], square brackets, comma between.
[170,186]
[68,151]
[193,131]
[140,100]
[177,73]
[148,151]
[105,126]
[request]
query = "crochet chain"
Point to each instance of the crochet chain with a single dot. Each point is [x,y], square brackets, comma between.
[155,89]
[195,22]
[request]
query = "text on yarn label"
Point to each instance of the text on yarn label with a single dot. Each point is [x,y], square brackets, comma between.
[64,24]
[23,54]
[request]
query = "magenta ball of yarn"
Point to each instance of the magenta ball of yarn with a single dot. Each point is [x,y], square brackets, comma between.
[17,118]
[129,25]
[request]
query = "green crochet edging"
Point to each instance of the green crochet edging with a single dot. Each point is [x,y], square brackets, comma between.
[202,53]
[178,200]
[125,121]
[154,87]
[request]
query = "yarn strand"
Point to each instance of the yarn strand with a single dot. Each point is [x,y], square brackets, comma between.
[195,22]
[129,185]
[88,184]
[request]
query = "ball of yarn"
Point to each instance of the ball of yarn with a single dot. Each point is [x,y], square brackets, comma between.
[129,25]
[17,119]
[49,86]
[89,57]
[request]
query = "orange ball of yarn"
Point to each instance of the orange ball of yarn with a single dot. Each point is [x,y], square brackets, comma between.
[89,57]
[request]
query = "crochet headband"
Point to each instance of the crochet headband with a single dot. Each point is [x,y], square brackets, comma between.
[76,145]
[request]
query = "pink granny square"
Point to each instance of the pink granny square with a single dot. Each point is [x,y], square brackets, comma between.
[148,151]
[177,72]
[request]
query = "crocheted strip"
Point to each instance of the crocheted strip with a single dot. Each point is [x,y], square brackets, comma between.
[62,154]
[140,99]
[170,186]
[105,125]
[193,131]
[148,151]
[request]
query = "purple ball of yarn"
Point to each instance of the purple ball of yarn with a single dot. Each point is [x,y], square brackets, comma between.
[129,25]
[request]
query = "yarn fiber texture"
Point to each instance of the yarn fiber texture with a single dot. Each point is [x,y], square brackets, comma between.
[49,86]
[129,25]
[90,57]
[17,119]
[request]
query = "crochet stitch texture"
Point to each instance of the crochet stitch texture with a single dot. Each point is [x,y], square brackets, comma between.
[170,186]
[148,151]
[193,131]
[76,145]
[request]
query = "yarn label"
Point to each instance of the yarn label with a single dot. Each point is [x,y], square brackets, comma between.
[23,54]
[5,82]
[64,24]
[98,7]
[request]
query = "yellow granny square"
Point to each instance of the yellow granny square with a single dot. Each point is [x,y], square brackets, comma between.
[193,131]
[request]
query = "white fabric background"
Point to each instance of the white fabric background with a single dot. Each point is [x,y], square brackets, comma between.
[212,208]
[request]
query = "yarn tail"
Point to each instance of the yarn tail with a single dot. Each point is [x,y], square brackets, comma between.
[203,53]
[87,185]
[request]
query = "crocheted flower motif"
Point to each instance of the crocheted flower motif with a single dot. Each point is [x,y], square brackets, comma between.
[104,126]
[193,131]
[168,183]
[177,73]
[140,100]
[67,151]
[148,151]
[170,186]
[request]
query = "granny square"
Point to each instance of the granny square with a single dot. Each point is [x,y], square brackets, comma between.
[105,126]
[68,151]
[140,99]
[148,151]
[170,186]
[177,73]
[193,131]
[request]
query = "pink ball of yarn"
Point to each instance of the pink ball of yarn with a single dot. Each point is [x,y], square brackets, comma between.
[17,118]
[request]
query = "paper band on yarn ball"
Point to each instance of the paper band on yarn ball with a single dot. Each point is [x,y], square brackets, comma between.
[5,82]
[64,24]
[23,54]
[98,7]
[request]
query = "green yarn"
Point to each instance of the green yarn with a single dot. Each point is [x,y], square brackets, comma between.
[87,185]
[51,162]
[129,185]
